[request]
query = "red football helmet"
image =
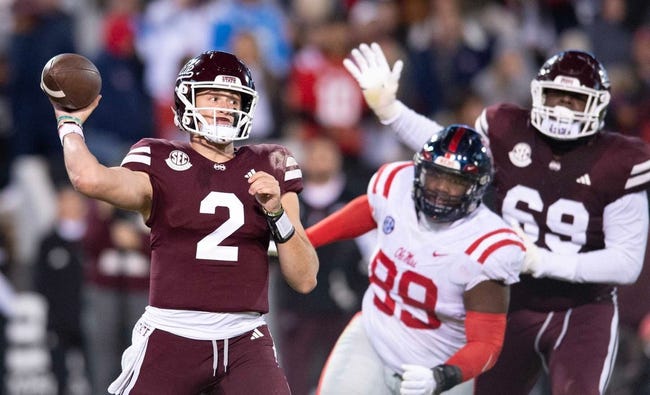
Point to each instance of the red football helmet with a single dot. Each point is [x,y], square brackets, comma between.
[220,71]
[577,72]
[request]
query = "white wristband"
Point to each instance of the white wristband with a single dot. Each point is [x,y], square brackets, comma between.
[281,227]
[67,128]
[284,225]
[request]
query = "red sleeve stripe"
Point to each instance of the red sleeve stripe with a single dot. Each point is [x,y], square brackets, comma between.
[389,178]
[485,245]
[478,241]
[498,245]
[377,176]
[392,175]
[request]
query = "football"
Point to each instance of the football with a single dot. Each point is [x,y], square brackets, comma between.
[71,81]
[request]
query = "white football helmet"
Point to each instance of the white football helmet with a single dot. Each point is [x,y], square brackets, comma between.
[577,72]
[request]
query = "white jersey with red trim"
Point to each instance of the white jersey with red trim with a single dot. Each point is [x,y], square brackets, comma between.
[413,310]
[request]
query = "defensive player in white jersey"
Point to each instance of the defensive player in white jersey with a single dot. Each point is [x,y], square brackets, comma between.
[434,314]
[577,191]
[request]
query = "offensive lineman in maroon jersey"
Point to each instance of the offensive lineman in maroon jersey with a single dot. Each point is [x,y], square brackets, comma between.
[212,209]
[575,193]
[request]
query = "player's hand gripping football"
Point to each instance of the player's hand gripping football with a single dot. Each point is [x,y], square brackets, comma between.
[266,190]
[417,380]
[532,258]
[82,114]
[378,82]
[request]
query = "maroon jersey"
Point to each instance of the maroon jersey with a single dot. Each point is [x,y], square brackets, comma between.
[561,198]
[209,236]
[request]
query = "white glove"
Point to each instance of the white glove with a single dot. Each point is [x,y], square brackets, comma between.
[377,81]
[532,259]
[417,380]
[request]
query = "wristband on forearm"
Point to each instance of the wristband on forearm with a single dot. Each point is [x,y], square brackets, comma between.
[281,227]
[67,124]
[446,376]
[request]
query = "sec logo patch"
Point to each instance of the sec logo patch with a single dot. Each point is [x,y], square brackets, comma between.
[389,225]
[520,155]
[178,160]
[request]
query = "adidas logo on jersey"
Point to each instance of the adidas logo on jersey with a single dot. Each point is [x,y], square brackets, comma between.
[256,334]
[584,179]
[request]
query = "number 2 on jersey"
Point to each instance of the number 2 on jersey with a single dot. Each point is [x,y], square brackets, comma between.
[208,247]
[383,273]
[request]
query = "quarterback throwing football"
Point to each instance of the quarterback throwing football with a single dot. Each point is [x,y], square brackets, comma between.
[212,208]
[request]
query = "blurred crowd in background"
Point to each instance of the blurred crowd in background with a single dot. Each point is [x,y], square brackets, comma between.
[75,271]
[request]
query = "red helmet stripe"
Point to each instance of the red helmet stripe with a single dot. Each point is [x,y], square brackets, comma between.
[456,139]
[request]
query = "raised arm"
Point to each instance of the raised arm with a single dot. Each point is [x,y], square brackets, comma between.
[116,185]
[379,84]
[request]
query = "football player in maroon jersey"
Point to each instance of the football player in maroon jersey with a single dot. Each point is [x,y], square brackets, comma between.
[212,208]
[576,193]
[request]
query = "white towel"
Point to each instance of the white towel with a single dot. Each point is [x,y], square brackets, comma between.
[132,359]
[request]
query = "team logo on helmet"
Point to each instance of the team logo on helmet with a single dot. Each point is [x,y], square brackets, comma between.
[228,79]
